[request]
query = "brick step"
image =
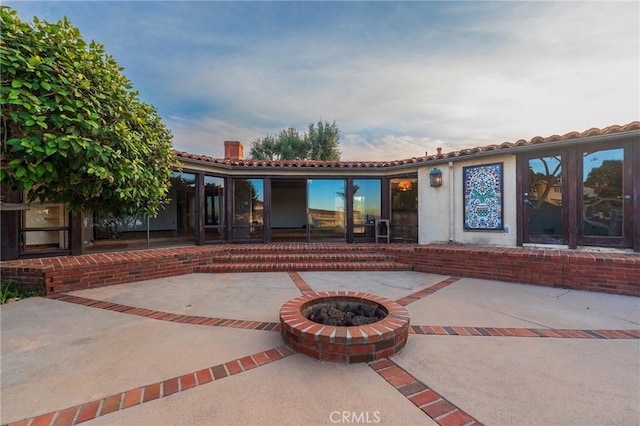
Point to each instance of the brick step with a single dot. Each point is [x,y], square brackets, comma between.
[303,266]
[302,248]
[297,257]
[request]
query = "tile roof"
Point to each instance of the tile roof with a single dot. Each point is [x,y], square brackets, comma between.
[284,164]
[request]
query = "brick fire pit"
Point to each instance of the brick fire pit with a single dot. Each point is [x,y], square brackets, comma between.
[362,343]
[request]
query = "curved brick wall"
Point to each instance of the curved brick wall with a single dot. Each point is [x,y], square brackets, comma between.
[617,273]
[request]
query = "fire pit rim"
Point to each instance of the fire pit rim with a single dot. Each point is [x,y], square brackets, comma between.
[383,338]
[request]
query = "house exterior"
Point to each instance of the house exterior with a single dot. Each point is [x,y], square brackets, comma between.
[569,191]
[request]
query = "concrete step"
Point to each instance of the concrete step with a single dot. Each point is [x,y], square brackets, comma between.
[303,266]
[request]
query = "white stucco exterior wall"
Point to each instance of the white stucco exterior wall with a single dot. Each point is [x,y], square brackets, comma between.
[435,204]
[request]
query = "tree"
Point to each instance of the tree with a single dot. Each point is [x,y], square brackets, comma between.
[288,145]
[73,130]
[547,180]
[324,141]
[606,180]
[603,206]
[321,142]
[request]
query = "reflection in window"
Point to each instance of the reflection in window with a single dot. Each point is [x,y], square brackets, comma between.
[602,212]
[366,207]
[404,210]
[213,208]
[44,228]
[326,207]
[545,195]
[248,205]
[175,223]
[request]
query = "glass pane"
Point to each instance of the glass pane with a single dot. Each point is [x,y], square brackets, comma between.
[289,210]
[404,210]
[545,195]
[49,218]
[175,223]
[326,209]
[248,203]
[213,208]
[44,241]
[366,207]
[213,200]
[602,174]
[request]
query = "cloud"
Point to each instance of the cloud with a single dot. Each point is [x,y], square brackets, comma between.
[399,79]
[549,68]
[207,135]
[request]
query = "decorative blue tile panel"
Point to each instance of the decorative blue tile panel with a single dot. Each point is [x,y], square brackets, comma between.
[483,197]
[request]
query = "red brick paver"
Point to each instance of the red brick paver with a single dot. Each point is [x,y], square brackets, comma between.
[302,285]
[130,398]
[420,294]
[429,401]
[168,316]
[524,332]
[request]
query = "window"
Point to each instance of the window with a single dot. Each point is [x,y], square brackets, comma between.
[404,210]
[248,206]
[214,208]
[366,207]
[175,223]
[44,228]
[578,196]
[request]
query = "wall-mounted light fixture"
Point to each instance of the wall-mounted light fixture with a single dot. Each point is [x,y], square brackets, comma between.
[435,178]
[404,185]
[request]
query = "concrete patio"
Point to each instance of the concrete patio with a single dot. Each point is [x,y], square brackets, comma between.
[205,349]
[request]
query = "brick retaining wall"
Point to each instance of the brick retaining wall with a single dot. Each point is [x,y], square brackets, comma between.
[617,273]
[68,273]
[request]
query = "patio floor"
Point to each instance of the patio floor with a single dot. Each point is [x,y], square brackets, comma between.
[205,349]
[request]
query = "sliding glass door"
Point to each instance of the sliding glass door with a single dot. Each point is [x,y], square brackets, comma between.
[326,209]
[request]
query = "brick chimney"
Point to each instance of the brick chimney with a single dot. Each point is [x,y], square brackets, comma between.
[233,150]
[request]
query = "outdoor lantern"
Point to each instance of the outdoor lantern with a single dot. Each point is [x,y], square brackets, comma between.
[404,185]
[435,177]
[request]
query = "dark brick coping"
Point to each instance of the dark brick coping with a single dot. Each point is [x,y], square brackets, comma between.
[58,262]
[616,273]
[529,252]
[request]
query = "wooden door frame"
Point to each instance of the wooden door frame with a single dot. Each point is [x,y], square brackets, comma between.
[522,187]
[572,184]
[626,241]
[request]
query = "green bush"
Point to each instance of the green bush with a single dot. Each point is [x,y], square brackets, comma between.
[73,129]
[12,289]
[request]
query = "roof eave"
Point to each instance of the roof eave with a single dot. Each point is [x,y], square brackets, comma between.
[536,147]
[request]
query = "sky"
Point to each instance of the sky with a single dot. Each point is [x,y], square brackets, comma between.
[398,78]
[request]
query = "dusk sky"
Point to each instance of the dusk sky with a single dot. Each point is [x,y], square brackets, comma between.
[398,78]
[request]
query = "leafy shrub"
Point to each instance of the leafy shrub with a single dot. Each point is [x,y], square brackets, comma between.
[12,289]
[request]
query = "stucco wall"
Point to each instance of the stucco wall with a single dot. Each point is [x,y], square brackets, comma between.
[434,209]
